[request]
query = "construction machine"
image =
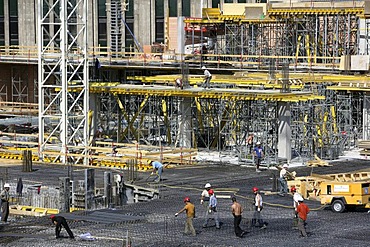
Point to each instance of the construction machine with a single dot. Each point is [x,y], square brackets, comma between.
[342,195]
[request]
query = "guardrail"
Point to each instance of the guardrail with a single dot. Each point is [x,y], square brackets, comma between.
[106,57]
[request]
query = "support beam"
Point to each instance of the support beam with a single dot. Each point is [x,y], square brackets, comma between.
[284,131]
[185,130]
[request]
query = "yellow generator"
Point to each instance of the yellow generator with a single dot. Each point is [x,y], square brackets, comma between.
[345,194]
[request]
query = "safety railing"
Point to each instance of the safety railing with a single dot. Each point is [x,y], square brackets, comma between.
[167,59]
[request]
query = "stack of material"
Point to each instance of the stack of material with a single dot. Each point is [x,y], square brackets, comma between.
[317,162]
[365,145]
[27,161]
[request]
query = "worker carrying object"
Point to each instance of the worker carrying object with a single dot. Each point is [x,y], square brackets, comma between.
[283,180]
[190,214]
[5,202]
[60,221]
[157,170]
[207,77]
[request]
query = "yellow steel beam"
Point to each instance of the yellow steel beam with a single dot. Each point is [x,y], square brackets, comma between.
[199,115]
[166,122]
[313,11]
[127,118]
[229,93]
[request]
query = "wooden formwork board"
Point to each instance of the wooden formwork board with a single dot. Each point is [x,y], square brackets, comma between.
[177,156]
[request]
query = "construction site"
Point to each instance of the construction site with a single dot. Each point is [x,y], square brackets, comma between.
[92,91]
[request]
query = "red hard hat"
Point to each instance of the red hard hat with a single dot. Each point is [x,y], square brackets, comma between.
[293,189]
[52,216]
[255,189]
[210,192]
[186,199]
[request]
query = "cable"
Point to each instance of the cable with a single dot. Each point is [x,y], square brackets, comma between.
[244,197]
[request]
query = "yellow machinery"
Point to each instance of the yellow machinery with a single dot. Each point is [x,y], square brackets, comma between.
[345,194]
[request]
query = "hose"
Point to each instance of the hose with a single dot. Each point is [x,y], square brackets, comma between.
[243,197]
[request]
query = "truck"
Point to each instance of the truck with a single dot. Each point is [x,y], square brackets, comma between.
[344,195]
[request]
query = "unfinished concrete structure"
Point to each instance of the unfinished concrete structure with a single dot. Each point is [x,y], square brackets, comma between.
[270,65]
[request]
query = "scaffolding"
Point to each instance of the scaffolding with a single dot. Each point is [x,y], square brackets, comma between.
[285,40]
[62,68]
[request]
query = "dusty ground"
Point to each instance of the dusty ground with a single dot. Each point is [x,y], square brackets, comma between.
[153,223]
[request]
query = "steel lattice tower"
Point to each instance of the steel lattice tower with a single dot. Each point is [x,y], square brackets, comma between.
[63,78]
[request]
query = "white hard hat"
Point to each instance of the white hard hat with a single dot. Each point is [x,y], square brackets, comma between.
[258,143]
[208,185]
[6,185]
[285,165]
[204,67]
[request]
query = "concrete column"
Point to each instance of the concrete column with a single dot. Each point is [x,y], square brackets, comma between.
[109,23]
[366,118]
[284,131]
[92,23]
[180,36]
[26,23]
[196,7]
[6,23]
[142,15]
[166,24]
[185,130]
[64,195]
[108,188]
[179,8]
[152,22]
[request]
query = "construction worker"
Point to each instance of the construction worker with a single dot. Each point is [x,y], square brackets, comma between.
[258,203]
[258,155]
[5,196]
[157,169]
[60,221]
[296,198]
[178,83]
[212,210]
[302,211]
[207,77]
[237,210]
[283,180]
[190,214]
[250,143]
[204,199]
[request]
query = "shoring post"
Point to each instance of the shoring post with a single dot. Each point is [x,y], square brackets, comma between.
[218,61]
[181,155]
[66,156]
[38,150]
[241,61]
[137,150]
[161,155]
